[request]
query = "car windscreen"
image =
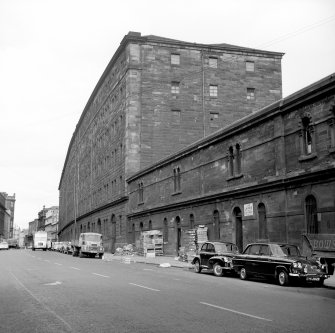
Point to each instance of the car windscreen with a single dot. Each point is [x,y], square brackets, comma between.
[221,248]
[92,238]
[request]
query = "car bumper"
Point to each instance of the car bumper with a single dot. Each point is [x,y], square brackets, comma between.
[310,277]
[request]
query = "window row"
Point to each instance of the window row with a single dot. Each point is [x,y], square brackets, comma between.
[212,62]
[213,91]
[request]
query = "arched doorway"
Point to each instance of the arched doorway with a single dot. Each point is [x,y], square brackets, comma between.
[178,234]
[113,220]
[216,225]
[311,215]
[238,228]
[99,227]
[262,222]
[191,221]
[133,233]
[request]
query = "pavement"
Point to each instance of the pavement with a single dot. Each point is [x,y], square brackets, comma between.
[170,261]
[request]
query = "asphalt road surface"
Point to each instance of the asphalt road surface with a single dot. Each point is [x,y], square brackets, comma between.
[53,292]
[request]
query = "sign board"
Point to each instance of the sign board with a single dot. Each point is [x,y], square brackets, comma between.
[322,242]
[248,209]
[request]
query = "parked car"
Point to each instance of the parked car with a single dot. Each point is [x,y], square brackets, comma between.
[4,245]
[281,262]
[216,256]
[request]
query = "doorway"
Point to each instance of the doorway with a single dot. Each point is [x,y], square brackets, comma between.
[238,228]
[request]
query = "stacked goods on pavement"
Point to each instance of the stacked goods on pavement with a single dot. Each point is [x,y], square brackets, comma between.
[189,242]
[151,243]
[201,235]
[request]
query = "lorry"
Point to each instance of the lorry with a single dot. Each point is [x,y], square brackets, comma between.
[320,247]
[40,240]
[89,244]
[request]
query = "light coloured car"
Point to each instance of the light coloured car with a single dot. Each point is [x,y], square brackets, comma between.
[4,245]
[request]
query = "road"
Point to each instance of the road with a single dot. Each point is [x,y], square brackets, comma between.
[53,292]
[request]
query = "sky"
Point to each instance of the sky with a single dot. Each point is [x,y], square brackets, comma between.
[53,52]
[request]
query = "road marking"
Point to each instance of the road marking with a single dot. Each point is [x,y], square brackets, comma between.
[101,275]
[148,269]
[52,283]
[56,263]
[41,303]
[78,269]
[237,312]
[138,285]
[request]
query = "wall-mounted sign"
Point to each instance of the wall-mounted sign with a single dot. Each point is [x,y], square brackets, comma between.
[248,209]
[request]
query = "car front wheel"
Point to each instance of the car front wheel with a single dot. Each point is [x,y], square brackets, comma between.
[282,278]
[243,274]
[217,269]
[197,267]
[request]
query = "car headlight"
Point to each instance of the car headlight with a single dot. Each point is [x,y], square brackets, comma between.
[297,264]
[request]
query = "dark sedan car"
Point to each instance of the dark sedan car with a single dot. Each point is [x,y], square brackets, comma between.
[216,256]
[280,261]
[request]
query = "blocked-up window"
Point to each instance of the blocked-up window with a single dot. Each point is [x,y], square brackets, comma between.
[213,90]
[250,94]
[249,66]
[213,62]
[175,59]
[175,87]
[214,119]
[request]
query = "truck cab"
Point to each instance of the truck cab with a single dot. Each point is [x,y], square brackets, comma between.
[89,244]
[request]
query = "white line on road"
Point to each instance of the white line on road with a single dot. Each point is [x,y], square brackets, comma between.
[101,275]
[78,269]
[56,263]
[41,303]
[148,269]
[138,285]
[237,312]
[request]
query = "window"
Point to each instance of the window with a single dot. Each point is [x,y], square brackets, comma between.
[249,66]
[175,59]
[213,119]
[165,230]
[140,192]
[307,139]
[175,117]
[235,161]
[250,94]
[213,90]
[307,136]
[176,180]
[175,87]
[213,62]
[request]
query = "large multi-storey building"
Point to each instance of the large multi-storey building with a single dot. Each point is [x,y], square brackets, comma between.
[155,97]
[51,222]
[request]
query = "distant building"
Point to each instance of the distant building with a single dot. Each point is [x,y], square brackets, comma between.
[7,209]
[22,237]
[156,96]
[51,223]
[33,227]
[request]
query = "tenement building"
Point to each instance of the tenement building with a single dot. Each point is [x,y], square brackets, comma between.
[269,175]
[156,97]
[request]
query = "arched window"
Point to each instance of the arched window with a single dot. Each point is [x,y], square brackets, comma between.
[99,226]
[238,159]
[150,225]
[141,226]
[216,225]
[307,135]
[165,230]
[263,231]
[311,215]
[231,161]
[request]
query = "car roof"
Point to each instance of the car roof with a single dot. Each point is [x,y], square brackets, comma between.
[269,243]
[217,242]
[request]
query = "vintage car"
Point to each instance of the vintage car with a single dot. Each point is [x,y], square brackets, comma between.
[281,262]
[216,256]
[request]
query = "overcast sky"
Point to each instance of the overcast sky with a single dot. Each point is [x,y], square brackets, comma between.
[52,54]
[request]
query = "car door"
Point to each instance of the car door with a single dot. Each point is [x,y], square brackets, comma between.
[252,259]
[264,266]
[210,250]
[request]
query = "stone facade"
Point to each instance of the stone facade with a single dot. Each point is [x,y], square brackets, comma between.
[268,176]
[155,97]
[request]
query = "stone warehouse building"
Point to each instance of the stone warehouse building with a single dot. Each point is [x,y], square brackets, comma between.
[269,175]
[155,97]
